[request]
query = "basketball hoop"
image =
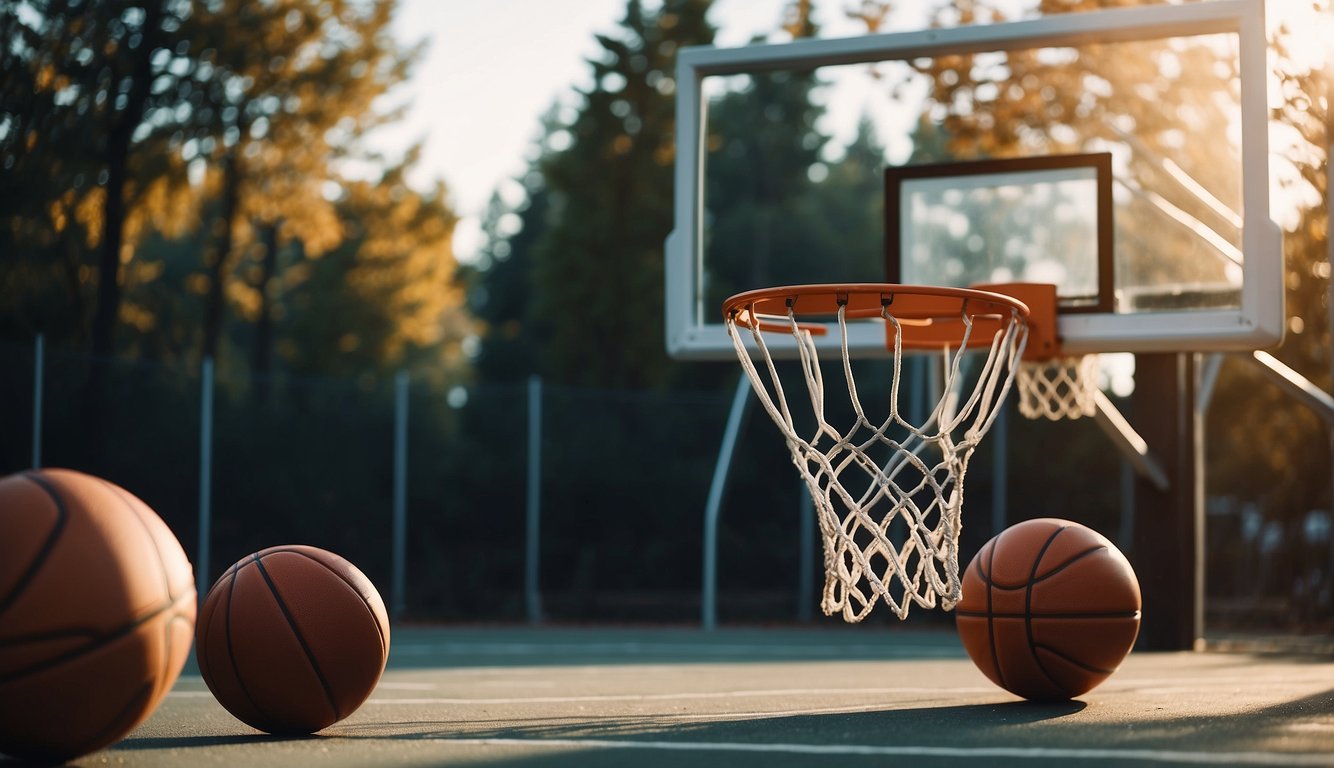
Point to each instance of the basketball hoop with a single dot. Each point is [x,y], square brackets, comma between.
[1057,388]
[887,493]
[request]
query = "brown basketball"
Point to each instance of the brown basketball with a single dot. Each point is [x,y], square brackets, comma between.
[1049,610]
[292,639]
[97,609]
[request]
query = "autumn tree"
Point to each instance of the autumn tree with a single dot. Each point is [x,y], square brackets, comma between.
[600,260]
[287,86]
[1266,448]
[385,296]
[89,92]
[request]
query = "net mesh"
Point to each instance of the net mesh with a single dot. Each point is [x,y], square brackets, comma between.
[1059,388]
[887,492]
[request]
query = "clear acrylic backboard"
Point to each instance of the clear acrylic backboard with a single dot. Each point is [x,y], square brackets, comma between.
[1121,154]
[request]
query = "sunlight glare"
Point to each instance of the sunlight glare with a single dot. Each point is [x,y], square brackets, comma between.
[1308,29]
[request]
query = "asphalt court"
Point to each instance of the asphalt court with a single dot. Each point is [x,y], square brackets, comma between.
[765,697]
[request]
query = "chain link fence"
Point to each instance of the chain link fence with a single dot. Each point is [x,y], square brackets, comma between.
[622,484]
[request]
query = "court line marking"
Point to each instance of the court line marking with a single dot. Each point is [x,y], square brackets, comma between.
[746,650]
[856,750]
[934,691]
[399,685]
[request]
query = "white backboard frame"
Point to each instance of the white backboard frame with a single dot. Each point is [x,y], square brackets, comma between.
[696,332]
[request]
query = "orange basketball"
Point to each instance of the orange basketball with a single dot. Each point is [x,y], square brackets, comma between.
[97,609]
[1049,610]
[292,639]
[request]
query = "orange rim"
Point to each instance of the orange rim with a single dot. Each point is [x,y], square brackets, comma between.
[930,316]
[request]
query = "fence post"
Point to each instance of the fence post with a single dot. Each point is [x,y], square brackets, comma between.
[1000,469]
[205,476]
[532,534]
[709,599]
[398,556]
[38,371]
[806,557]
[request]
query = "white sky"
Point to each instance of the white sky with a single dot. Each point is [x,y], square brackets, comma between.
[494,66]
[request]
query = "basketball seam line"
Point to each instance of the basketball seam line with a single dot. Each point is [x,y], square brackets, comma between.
[90,634]
[1028,602]
[296,631]
[64,633]
[1098,615]
[1070,660]
[991,628]
[100,642]
[384,644]
[125,498]
[1037,580]
[62,517]
[164,673]
[231,650]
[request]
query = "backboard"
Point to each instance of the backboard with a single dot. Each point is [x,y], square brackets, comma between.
[1120,154]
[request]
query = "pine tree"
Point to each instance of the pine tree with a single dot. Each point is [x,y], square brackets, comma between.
[598,267]
[289,87]
[87,97]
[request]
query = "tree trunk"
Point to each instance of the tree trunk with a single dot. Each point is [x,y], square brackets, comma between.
[106,310]
[120,138]
[262,360]
[220,264]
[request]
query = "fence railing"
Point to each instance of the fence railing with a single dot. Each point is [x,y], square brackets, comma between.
[497,499]
[526,501]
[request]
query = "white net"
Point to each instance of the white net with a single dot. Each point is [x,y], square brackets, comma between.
[1059,388]
[888,493]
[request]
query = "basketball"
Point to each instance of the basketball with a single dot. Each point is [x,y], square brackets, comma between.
[292,639]
[97,610]
[1049,610]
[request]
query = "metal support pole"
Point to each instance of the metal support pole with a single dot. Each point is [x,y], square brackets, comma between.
[1329,204]
[1210,366]
[1296,385]
[38,372]
[709,599]
[1304,391]
[532,534]
[1198,381]
[1000,470]
[1169,520]
[806,555]
[1132,447]
[917,387]
[202,574]
[1125,537]
[399,546]
[1329,246]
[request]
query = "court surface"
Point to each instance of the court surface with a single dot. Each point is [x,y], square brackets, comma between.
[765,697]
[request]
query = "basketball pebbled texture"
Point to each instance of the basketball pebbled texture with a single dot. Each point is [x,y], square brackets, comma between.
[292,639]
[1050,609]
[97,609]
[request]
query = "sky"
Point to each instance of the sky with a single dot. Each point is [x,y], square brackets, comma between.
[493,67]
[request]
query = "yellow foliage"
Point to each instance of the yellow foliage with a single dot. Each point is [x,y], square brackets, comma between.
[150,271]
[197,284]
[56,211]
[170,207]
[137,316]
[244,297]
[90,212]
